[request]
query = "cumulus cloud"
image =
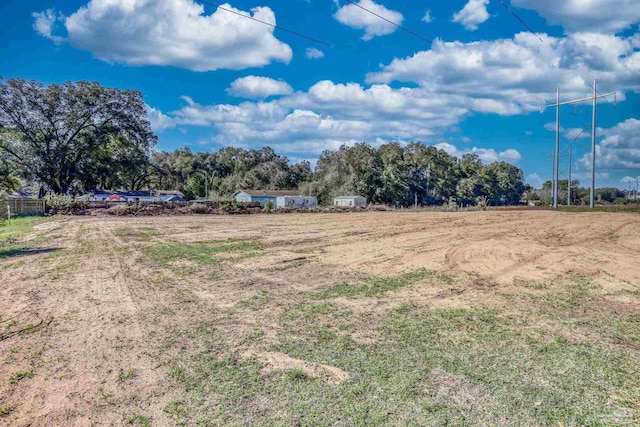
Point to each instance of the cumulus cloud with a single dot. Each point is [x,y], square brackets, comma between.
[355,17]
[472,14]
[512,76]
[427,17]
[326,115]
[620,148]
[159,121]
[604,16]
[313,53]
[174,33]
[487,155]
[256,87]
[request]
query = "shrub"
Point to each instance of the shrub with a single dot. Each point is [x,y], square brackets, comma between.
[483,203]
[198,208]
[450,206]
[268,207]
[124,209]
[61,203]
[3,208]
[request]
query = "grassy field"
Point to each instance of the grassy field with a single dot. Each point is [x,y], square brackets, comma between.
[440,319]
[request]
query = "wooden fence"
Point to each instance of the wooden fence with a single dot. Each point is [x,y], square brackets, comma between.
[26,206]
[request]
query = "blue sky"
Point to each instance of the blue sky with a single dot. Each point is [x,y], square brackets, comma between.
[213,79]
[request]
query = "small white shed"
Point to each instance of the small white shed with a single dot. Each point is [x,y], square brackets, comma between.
[297,202]
[350,201]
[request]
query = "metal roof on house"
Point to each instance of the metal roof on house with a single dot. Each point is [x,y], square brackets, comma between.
[271,193]
[348,197]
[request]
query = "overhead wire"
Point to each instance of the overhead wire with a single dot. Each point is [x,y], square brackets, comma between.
[295,33]
[515,15]
[604,96]
[413,33]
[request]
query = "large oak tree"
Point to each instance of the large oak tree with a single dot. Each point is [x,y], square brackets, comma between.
[76,133]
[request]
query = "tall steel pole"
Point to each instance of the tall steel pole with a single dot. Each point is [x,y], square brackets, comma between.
[569,182]
[553,175]
[594,98]
[592,200]
[557,155]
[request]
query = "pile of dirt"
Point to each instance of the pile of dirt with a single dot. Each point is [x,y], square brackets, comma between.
[167,209]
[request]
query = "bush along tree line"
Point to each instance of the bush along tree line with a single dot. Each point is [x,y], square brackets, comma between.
[79,136]
[579,195]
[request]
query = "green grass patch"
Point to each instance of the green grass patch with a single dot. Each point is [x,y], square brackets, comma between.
[6,409]
[138,420]
[434,367]
[10,233]
[375,286]
[295,374]
[566,292]
[20,375]
[13,265]
[177,409]
[202,254]
[258,300]
[631,292]
[142,233]
[529,284]
[125,375]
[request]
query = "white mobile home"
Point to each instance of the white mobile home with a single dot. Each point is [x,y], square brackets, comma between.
[298,202]
[350,201]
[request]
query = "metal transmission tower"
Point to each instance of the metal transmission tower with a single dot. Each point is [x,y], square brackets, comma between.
[594,98]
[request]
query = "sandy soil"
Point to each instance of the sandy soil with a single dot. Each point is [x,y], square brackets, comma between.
[85,310]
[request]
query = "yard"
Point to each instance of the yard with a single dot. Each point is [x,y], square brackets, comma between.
[523,318]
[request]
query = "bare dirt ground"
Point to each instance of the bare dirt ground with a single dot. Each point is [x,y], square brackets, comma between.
[109,321]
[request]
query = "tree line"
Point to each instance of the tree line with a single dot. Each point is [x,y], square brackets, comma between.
[80,136]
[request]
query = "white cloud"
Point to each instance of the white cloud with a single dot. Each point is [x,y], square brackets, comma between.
[256,87]
[630,179]
[534,180]
[355,17]
[171,33]
[158,120]
[427,17]
[472,14]
[326,115]
[620,148]
[604,16]
[313,53]
[487,155]
[513,76]
[43,23]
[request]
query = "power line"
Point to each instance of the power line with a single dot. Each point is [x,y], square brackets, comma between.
[615,97]
[295,33]
[413,33]
[520,20]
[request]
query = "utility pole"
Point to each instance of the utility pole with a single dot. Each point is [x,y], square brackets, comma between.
[557,153]
[592,195]
[569,182]
[594,98]
[416,201]
[553,175]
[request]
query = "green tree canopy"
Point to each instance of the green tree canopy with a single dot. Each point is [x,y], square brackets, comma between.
[76,134]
